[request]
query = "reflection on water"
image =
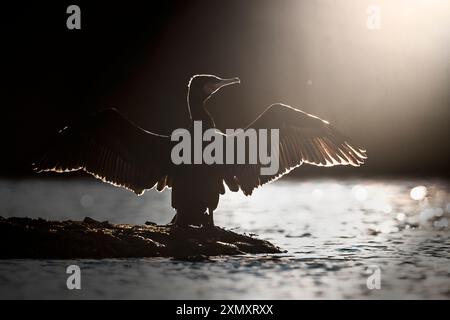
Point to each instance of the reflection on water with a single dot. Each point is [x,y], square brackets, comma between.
[332,231]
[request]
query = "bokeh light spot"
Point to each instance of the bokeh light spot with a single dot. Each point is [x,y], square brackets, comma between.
[418,193]
[360,193]
[317,194]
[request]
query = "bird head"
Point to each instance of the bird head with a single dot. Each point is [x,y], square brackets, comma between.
[202,86]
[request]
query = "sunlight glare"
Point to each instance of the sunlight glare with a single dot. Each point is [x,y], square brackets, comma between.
[317,194]
[418,193]
[360,193]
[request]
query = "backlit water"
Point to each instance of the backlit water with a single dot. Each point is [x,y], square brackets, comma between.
[336,234]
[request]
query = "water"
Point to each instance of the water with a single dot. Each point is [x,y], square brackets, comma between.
[334,232]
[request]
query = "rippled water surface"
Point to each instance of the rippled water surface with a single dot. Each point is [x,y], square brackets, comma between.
[336,234]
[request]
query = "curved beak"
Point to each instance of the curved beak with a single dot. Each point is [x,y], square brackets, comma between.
[226,82]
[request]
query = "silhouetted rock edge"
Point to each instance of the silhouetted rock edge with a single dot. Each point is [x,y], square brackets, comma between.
[42,239]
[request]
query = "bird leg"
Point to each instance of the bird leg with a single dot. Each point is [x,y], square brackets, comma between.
[185,218]
[174,219]
[210,218]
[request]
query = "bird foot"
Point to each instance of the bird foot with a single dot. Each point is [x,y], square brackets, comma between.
[204,221]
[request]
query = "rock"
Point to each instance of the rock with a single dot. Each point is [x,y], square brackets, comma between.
[303,235]
[40,239]
[87,220]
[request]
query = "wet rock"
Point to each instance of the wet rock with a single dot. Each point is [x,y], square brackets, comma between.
[303,235]
[38,238]
[87,220]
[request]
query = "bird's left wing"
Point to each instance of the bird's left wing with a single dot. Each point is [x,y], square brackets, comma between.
[112,149]
[303,138]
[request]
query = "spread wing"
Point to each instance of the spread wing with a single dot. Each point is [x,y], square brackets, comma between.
[303,138]
[112,149]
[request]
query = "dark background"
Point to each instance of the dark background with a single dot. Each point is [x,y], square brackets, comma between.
[388,89]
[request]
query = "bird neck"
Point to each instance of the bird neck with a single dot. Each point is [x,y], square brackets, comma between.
[198,112]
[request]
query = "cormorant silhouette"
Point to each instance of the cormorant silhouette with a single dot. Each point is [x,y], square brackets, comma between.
[117,151]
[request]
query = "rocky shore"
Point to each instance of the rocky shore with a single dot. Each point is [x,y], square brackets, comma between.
[42,239]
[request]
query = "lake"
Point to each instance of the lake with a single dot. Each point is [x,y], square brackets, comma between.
[336,233]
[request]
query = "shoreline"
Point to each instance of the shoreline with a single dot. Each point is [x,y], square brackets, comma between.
[43,239]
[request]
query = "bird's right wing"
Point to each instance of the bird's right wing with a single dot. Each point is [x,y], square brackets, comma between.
[303,138]
[112,149]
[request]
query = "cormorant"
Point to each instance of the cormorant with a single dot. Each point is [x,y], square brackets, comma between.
[117,151]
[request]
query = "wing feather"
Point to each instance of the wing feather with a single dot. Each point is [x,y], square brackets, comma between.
[303,138]
[111,148]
